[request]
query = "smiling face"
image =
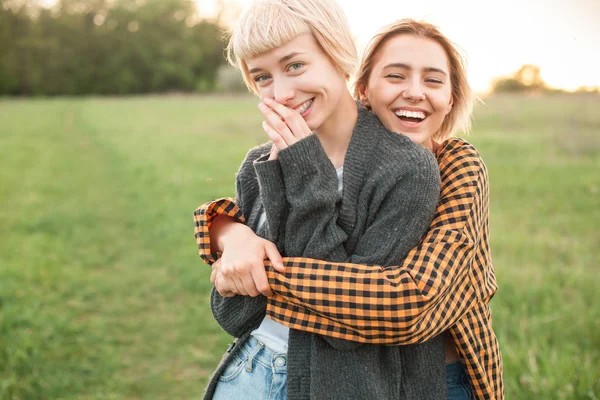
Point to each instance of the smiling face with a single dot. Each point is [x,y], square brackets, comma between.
[301,76]
[410,88]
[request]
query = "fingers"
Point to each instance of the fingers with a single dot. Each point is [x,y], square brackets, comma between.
[275,137]
[275,122]
[249,285]
[274,155]
[215,270]
[241,270]
[225,281]
[272,254]
[259,276]
[223,286]
[292,118]
[240,279]
[213,276]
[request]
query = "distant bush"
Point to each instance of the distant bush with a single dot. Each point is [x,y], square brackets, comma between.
[79,47]
[526,79]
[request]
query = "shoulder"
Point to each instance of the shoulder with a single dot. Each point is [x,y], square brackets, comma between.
[400,154]
[386,140]
[395,151]
[398,159]
[460,161]
[457,151]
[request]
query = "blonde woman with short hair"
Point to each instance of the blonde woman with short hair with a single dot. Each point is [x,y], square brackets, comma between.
[332,183]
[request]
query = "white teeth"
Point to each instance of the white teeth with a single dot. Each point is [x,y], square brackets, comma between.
[304,106]
[410,114]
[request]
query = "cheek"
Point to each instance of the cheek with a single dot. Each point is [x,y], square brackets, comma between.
[381,95]
[265,92]
[441,102]
[311,82]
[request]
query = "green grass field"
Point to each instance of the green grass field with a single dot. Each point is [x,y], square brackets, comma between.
[103,296]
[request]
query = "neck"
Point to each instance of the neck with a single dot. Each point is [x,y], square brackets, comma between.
[336,132]
[429,144]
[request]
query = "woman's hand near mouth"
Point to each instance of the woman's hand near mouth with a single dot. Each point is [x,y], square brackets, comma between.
[284,125]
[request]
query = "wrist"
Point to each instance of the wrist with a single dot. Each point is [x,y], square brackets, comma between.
[232,233]
[221,230]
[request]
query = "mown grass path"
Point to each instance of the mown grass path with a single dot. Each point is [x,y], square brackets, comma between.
[102,295]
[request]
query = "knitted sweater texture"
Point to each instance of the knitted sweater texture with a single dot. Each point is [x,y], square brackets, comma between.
[390,193]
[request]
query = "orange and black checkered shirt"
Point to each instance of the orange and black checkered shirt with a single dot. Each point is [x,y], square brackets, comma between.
[444,284]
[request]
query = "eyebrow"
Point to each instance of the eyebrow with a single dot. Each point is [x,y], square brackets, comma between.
[406,66]
[289,56]
[281,61]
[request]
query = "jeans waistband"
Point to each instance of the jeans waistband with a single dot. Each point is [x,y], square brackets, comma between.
[455,372]
[253,351]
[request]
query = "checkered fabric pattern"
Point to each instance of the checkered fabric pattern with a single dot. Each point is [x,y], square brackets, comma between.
[203,218]
[445,283]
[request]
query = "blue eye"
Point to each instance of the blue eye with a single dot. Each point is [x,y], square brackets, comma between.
[261,78]
[295,66]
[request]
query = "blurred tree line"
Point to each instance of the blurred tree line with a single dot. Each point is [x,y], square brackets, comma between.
[528,79]
[81,47]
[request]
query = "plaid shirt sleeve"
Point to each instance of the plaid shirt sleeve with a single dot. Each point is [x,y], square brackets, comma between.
[403,304]
[445,283]
[203,218]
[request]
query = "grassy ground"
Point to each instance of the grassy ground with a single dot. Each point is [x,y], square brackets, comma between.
[102,295]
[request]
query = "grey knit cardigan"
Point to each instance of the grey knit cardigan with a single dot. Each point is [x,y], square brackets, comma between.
[390,193]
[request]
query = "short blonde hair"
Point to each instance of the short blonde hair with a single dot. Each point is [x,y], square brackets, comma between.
[459,118]
[268,24]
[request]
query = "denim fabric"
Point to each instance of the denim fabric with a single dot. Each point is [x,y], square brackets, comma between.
[457,382]
[254,373]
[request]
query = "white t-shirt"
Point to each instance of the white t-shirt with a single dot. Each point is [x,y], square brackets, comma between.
[273,334]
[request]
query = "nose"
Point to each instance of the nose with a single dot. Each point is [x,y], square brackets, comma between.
[283,91]
[414,91]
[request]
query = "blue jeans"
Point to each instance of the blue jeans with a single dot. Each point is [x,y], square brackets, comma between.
[255,372]
[457,382]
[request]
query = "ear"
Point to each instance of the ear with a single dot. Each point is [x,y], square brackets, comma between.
[363,98]
[450,104]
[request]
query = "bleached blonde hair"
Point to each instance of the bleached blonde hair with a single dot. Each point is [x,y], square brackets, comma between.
[268,24]
[459,118]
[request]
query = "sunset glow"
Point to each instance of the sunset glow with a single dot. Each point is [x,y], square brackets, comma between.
[497,36]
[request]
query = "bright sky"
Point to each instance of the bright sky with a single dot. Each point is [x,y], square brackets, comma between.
[561,37]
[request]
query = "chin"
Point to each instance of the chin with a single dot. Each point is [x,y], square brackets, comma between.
[313,123]
[416,138]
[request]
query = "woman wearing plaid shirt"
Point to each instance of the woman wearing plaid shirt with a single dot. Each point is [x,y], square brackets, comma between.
[444,285]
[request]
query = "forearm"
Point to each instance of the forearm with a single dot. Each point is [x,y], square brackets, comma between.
[311,190]
[372,303]
[272,196]
[413,301]
[204,216]
[223,229]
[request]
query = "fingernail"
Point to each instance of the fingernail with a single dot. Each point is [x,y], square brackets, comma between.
[268,100]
